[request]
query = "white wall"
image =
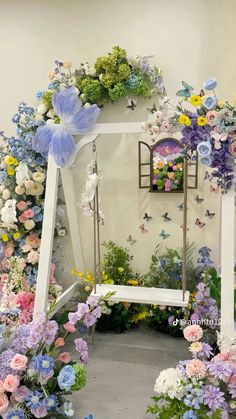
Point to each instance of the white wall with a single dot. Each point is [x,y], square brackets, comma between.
[191,39]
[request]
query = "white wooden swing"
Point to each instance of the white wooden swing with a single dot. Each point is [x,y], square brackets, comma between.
[130,294]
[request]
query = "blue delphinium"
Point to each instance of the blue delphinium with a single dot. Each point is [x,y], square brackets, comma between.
[189,415]
[52,402]
[34,399]
[16,414]
[194,397]
[42,363]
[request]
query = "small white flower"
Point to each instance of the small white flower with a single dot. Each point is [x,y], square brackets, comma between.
[169,382]
[61,232]
[8,212]
[22,173]
[51,113]
[6,194]
[50,122]
[29,224]
[42,109]
[39,176]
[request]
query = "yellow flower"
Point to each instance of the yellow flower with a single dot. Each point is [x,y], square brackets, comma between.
[9,160]
[133,282]
[15,162]
[76,273]
[155,171]
[184,120]
[108,281]
[10,171]
[87,288]
[5,237]
[195,100]
[120,269]
[16,235]
[201,121]
[221,103]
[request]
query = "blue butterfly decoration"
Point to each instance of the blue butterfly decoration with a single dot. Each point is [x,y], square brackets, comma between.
[89,417]
[57,139]
[164,235]
[185,91]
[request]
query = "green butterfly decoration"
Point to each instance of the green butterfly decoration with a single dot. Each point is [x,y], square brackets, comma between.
[186,92]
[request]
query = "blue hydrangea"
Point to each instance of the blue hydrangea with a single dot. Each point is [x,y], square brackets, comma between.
[189,415]
[34,399]
[39,94]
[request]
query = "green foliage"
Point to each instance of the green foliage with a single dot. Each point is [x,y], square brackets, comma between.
[166,269]
[212,280]
[159,316]
[117,264]
[118,320]
[47,98]
[140,88]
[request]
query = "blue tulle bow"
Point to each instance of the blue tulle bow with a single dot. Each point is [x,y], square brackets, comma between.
[57,139]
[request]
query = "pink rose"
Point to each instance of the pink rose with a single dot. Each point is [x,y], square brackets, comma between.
[33,257]
[22,205]
[21,393]
[1,387]
[29,184]
[59,342]
[64,357]
[4,403]
[19,362]
[26,248]
[29,213]
[11,383]
[9,251]
[211,117]
[69,327]
[193,333]
[22,218]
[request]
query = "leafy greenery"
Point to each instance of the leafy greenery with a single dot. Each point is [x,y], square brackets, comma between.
[116,264]
[166,269]
[159,319]
[212,280]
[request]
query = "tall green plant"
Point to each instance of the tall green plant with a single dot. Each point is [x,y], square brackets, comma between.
[117,264]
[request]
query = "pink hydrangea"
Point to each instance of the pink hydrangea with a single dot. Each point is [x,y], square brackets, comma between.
[33,240]
[193,333]
[33,257]
[195,368]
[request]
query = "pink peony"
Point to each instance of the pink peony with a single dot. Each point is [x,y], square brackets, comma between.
[25,299]
[4,403]
[22,205]
[69,327]
[195,368]
[11,383]
[193,333]
[64,357]
[19,362]
[21,393]
[29,213]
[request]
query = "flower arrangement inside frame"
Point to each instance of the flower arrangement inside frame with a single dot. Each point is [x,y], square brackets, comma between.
[167,166]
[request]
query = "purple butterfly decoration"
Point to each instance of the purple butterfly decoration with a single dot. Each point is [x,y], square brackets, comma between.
[57,139]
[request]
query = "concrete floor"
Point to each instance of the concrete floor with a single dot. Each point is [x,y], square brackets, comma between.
[122,370]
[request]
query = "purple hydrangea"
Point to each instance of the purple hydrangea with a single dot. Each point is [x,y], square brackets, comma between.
[213,397]
[232,390]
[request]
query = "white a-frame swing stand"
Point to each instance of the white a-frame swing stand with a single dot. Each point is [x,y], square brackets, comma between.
[130,294]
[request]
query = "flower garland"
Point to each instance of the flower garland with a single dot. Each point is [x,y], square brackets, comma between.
[209,129]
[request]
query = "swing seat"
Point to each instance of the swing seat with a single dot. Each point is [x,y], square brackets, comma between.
[143,295]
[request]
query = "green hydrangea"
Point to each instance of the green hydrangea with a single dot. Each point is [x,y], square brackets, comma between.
[93,90]
[124,71]
[47,98]
[108,79]
[140,88]
[117,91]
[119,52]
[80,377]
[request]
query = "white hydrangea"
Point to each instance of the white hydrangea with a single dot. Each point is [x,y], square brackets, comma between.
[169,383]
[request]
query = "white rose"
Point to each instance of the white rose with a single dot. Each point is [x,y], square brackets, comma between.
[35,190]
[29,224]
[39,176]
[42,109]
[38,116]
[6,194]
